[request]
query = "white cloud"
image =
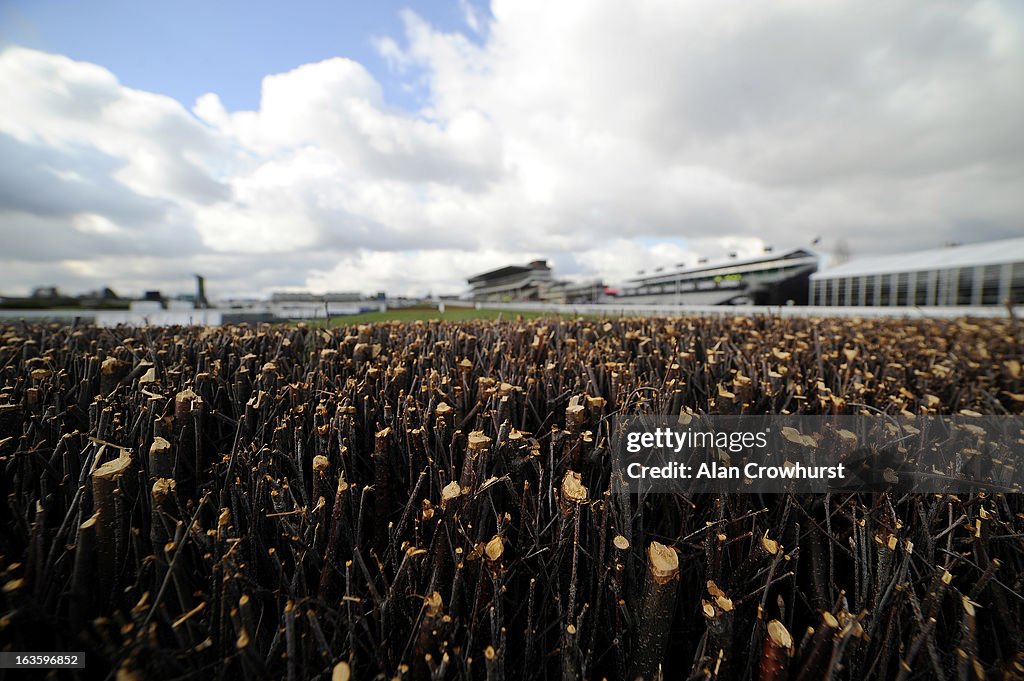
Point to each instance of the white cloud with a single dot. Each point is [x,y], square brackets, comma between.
[91,223]
[610,137]
[416,272]
[58,103]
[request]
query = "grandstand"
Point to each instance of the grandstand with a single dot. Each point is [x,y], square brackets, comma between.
[768,279]
[990,273]
[513,282]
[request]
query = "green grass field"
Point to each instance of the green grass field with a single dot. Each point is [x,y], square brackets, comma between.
[451,314]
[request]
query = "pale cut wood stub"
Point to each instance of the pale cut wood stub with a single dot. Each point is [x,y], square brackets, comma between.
[778,646]
[450,493]
[663,562]
[657,608]
[105,488]
[161,458]
[779,635]
[341,672]
[83,571]
[434,604]
[573,489]
[162,488]
[112,371]
[494,548]
[185,402]
[478,441]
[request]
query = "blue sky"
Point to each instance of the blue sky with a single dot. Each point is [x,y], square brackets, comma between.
[188,48]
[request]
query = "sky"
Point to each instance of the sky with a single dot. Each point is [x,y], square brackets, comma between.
[404,146]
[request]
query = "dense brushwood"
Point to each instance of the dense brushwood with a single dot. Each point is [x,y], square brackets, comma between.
[434,500]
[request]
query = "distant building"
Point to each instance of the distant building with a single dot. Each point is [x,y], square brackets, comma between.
[50,298]
[768,279]
[153,297]
[570,292]
[307,297]
[510,283]
[990,273]
[46,292]
[343,297]
[294,297]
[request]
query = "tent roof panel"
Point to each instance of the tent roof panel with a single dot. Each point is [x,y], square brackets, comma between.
[969,255]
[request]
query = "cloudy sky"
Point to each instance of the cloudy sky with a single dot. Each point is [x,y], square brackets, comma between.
[404,146]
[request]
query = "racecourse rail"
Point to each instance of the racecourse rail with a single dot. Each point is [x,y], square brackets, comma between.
[213,317]
[618,310]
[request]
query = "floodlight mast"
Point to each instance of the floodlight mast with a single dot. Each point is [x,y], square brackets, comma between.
[200,302]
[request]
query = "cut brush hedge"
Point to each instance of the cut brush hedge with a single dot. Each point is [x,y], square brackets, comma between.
[434,501]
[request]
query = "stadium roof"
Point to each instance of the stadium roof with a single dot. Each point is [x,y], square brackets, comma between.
[710,267]
[970,255]
[498,273]
[510,270]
